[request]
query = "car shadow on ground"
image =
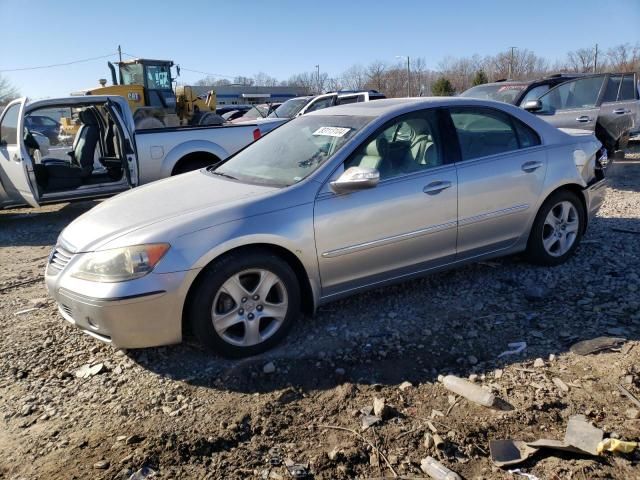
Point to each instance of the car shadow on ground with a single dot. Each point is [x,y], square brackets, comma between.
[459,321]
[38,227]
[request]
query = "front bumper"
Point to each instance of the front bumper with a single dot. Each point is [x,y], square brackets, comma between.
[145,312]
[594,197]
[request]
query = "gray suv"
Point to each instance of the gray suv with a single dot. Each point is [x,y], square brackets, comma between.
[606,104]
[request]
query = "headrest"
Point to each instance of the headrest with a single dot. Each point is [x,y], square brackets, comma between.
[87,117]
[377,147]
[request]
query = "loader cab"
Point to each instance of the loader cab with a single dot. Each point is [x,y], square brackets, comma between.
[155,77]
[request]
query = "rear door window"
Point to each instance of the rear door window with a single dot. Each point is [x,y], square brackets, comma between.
[483,132]
[613,86]
[627,91]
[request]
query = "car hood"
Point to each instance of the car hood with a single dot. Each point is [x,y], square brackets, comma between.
[180,196]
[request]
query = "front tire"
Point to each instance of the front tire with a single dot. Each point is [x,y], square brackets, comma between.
[245,303]
[557,229]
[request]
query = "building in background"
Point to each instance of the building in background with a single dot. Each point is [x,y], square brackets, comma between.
[247,95]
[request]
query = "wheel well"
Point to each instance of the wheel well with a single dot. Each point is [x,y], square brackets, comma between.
[194,161]
[283,253]
[577,190]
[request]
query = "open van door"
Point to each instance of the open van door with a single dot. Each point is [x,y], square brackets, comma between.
[127,145]
[15,161]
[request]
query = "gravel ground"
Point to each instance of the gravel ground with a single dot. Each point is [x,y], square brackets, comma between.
[71,407]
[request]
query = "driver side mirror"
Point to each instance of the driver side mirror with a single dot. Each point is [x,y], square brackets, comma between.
[532,105]
[356,178]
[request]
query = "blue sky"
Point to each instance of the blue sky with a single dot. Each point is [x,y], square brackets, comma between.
[243,37]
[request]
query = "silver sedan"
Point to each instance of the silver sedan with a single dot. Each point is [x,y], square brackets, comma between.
[329,204]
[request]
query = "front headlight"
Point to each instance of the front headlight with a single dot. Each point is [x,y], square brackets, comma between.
[120,264]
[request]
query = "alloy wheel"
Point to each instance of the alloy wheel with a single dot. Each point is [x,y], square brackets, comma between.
[560,229]
[249,307]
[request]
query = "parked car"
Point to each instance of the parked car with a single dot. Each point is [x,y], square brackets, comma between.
[230,108]
[517,92]
[256,112]
[47,126]
[298,106]
[331,203]
[606,104]
[109,155]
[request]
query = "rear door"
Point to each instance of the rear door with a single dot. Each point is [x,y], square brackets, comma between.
[573,104]
[15,161]
[617,112]
[501,173]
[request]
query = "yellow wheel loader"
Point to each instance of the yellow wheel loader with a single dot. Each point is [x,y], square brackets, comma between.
[148,87]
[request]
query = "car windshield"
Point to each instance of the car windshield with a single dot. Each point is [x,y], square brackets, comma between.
[256,111]
[293,151]
[290,108]
[507,93]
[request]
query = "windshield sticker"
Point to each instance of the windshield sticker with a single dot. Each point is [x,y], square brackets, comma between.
[332,131]
[511,87]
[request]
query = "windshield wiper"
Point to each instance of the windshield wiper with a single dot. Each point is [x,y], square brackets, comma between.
[221,174]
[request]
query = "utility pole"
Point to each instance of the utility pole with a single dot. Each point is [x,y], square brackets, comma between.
[408,74]
[408,78]
[595,60]
[511,63]
[120,53]
[318,79]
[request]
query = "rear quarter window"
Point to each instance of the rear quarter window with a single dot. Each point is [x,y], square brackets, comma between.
[9,126]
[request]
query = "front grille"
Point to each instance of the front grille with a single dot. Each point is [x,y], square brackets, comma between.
[66,309]
[58,259]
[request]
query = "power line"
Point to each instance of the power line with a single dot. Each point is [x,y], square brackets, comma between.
[208,73]
[191,70]
[56,64]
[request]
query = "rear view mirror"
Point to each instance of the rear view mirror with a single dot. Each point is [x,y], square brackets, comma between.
[532,105]
[356,178]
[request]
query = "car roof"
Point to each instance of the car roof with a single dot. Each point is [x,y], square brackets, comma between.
[386,106]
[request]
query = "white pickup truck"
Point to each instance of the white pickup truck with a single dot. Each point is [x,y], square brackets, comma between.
[106,156]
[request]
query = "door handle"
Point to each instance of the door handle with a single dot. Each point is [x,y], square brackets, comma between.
[584,119]
[620,111]
[436,187]
[531,166]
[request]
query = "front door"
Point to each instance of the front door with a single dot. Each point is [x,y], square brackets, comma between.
[573,104]
[406,224]
[500,176]
[127,146]
[15,162]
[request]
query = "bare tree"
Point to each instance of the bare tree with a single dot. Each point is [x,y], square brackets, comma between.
[581,60]
[624,58]
[354,78]
[309,81]
[264,80]
[375,75]
[244,81]
[333,85]
[210,81]
[7,91]
[522,63]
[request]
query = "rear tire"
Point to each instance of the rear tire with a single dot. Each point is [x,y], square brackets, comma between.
[245,303]
[557,229]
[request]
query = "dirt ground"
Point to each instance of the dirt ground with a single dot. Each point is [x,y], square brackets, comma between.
[181,412]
